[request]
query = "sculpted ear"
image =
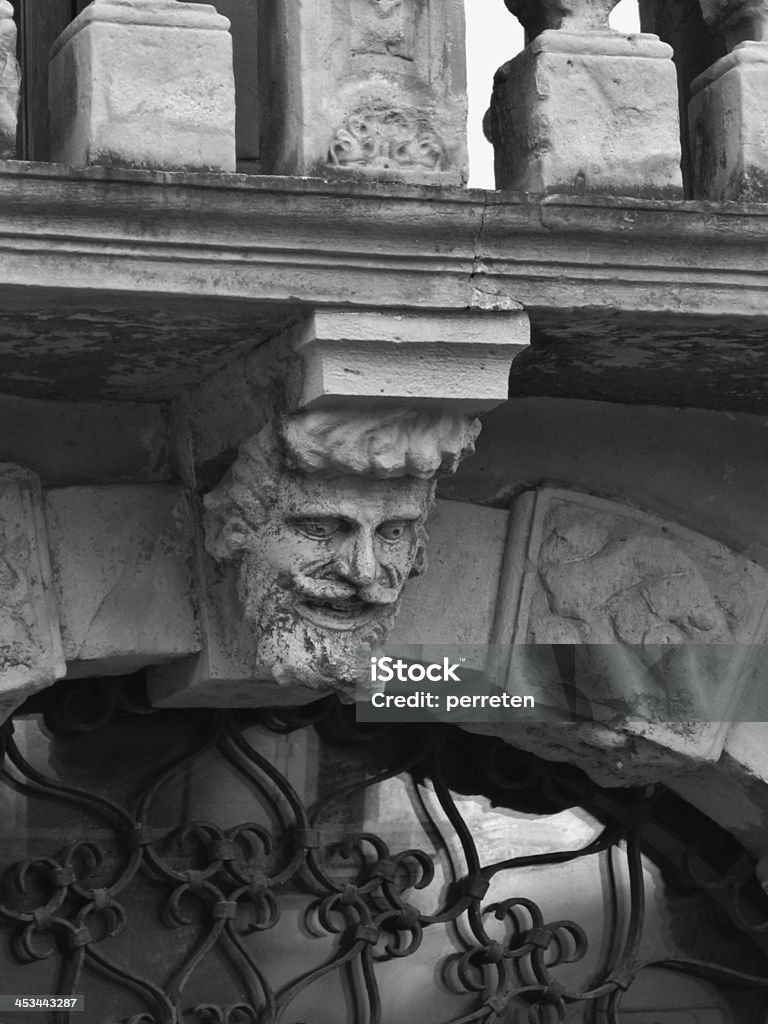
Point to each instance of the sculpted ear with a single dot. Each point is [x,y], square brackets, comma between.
[225,536]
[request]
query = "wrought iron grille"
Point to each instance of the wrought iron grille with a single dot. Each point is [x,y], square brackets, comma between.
[275,905]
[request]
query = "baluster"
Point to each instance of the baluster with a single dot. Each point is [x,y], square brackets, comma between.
[584,108]
[727,112]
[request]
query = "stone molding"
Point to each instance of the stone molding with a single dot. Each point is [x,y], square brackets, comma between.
[402,246]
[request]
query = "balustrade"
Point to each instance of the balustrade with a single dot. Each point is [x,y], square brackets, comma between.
[376,90]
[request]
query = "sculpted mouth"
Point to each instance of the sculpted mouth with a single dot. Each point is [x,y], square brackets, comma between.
[343,614]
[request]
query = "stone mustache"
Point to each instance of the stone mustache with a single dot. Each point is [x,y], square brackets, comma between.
[324,517]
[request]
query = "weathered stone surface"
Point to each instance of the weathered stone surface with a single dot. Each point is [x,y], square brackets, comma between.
[387,98]
[707,471]
[10,81]
[454,602]
[646,288]
[31,654]
[322,518]
[729,126]
[329,358]
[738,21]
[68,443]
[121,559]
[459,360]
[660,623]
[588,112]
[144,84]
[733,792]
[432,609]
[576,15]
[695,47]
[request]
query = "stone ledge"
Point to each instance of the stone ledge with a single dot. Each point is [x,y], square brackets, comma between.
[239,250]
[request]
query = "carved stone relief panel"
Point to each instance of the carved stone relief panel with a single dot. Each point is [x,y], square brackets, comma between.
[31,654]
[386,137]
[383,27]
[387,99]
[665,628]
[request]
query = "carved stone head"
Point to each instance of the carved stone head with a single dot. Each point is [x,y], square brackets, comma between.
[324,516]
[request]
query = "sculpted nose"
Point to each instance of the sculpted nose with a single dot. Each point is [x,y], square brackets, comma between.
[360,565]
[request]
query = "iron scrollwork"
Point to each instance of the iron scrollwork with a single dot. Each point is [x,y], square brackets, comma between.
[221,890]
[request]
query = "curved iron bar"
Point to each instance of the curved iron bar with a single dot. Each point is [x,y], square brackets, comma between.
[365,912]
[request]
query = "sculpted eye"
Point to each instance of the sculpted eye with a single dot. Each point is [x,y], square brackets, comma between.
[393,530]
[319,527]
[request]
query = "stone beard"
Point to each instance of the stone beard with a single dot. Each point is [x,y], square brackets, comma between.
[325,533]
[323,576]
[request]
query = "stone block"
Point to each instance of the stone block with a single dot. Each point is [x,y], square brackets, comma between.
[437,608]
[121,558]
[588,112]
[455,360]
[729,127]
[663,631]
[366,89]
[144,83]
[454,603]
[31,655]
[10,82]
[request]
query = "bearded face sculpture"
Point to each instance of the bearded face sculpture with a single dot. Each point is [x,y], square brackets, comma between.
[325,520]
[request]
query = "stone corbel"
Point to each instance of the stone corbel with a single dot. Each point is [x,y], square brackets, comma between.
[31,652]
[307,543]
[727,111]
[583,108]
[10,82]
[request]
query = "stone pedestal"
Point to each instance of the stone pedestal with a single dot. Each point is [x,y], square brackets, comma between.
[144,83]
[729,127]
[10,80]
[365,89]
[583,112]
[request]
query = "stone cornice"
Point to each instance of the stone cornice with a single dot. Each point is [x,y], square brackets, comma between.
[290,240]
